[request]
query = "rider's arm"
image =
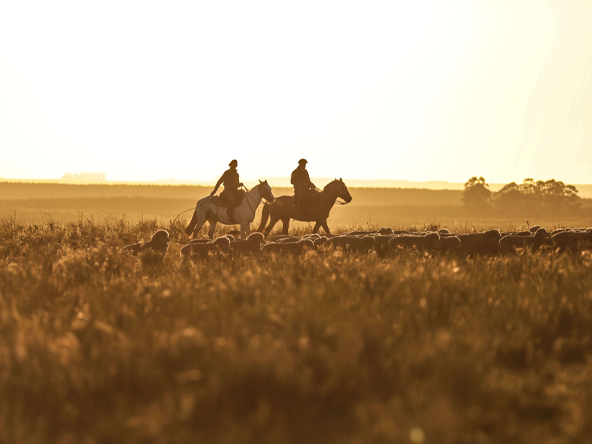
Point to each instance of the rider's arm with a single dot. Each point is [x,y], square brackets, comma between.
[217,185]
[306,179]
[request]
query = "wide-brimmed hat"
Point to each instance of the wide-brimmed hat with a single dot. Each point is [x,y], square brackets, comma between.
[301,161]
[233,162]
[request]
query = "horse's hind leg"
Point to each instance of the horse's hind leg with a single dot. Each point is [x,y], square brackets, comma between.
[325,227]
[273,220]
[316,227]
[199,224]
[212,229]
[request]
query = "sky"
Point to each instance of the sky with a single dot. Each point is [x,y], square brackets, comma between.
[422,90]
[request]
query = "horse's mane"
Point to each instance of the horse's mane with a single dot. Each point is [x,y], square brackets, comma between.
[330,184]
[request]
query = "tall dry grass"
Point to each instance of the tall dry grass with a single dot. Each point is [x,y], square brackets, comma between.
[98,347]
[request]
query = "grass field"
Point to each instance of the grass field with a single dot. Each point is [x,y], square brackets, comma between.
[397,207]
[97,347]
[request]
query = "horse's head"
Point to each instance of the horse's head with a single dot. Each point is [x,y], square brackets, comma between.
[265,191]
[341,190]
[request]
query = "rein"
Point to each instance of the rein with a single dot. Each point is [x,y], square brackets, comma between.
[247,199]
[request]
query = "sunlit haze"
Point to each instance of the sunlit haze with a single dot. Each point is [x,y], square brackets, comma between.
[422,90]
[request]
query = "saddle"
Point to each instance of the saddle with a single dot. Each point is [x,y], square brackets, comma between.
[222,202]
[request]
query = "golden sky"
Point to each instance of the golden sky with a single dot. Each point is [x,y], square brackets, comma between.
[422,90]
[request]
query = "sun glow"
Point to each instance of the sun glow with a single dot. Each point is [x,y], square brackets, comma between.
[421,90]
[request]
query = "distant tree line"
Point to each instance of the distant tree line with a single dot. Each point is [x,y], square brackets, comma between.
[536,197]
[84,177]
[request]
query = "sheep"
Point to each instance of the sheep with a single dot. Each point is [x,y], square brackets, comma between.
[359,233]
[481,243]
[572,240]
[311,236]
[362,244]
[444,231]
[159,244]
[219,245]
[450,244]
[207,241]
[511,242]
[534,228]
[280,237]
[559,230]
[385,231]
[352,243]
[290,247]
[430,241]
[248,246]
[516,233]
[287,240]
[337,241]
[199,241]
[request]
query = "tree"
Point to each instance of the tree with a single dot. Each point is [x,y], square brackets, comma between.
[477,193]
[537,196]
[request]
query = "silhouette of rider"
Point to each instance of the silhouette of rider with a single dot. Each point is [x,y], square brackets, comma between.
[302,184]
[231,183]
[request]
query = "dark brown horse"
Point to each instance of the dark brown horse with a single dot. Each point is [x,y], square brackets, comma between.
[282,209]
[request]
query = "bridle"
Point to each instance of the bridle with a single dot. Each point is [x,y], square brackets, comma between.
[342,202]
[247,198]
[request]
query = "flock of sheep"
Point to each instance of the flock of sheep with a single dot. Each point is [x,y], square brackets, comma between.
[384,241]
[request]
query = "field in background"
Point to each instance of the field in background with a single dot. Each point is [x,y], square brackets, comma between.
[370,207]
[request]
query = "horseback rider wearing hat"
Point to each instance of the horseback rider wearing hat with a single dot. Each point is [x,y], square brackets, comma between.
[302,184]
[231,182]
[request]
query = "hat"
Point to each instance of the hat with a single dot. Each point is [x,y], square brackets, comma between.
[301,161]
[233,162]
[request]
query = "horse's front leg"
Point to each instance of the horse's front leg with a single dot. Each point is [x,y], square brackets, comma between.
[212,229]
[316,227]
[325,227]
[285,225]
[245,230]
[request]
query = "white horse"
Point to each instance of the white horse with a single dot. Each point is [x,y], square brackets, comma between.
[207,208]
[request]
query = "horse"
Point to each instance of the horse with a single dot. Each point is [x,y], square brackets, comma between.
[282,209]
[207,208]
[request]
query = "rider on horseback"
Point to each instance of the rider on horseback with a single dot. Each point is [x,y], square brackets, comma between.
[302,184]
[231,183]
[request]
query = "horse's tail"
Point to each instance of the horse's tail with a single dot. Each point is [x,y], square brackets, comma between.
[192,224]
[264,218]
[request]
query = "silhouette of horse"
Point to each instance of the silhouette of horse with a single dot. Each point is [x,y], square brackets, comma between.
[208,208]
[282,209]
